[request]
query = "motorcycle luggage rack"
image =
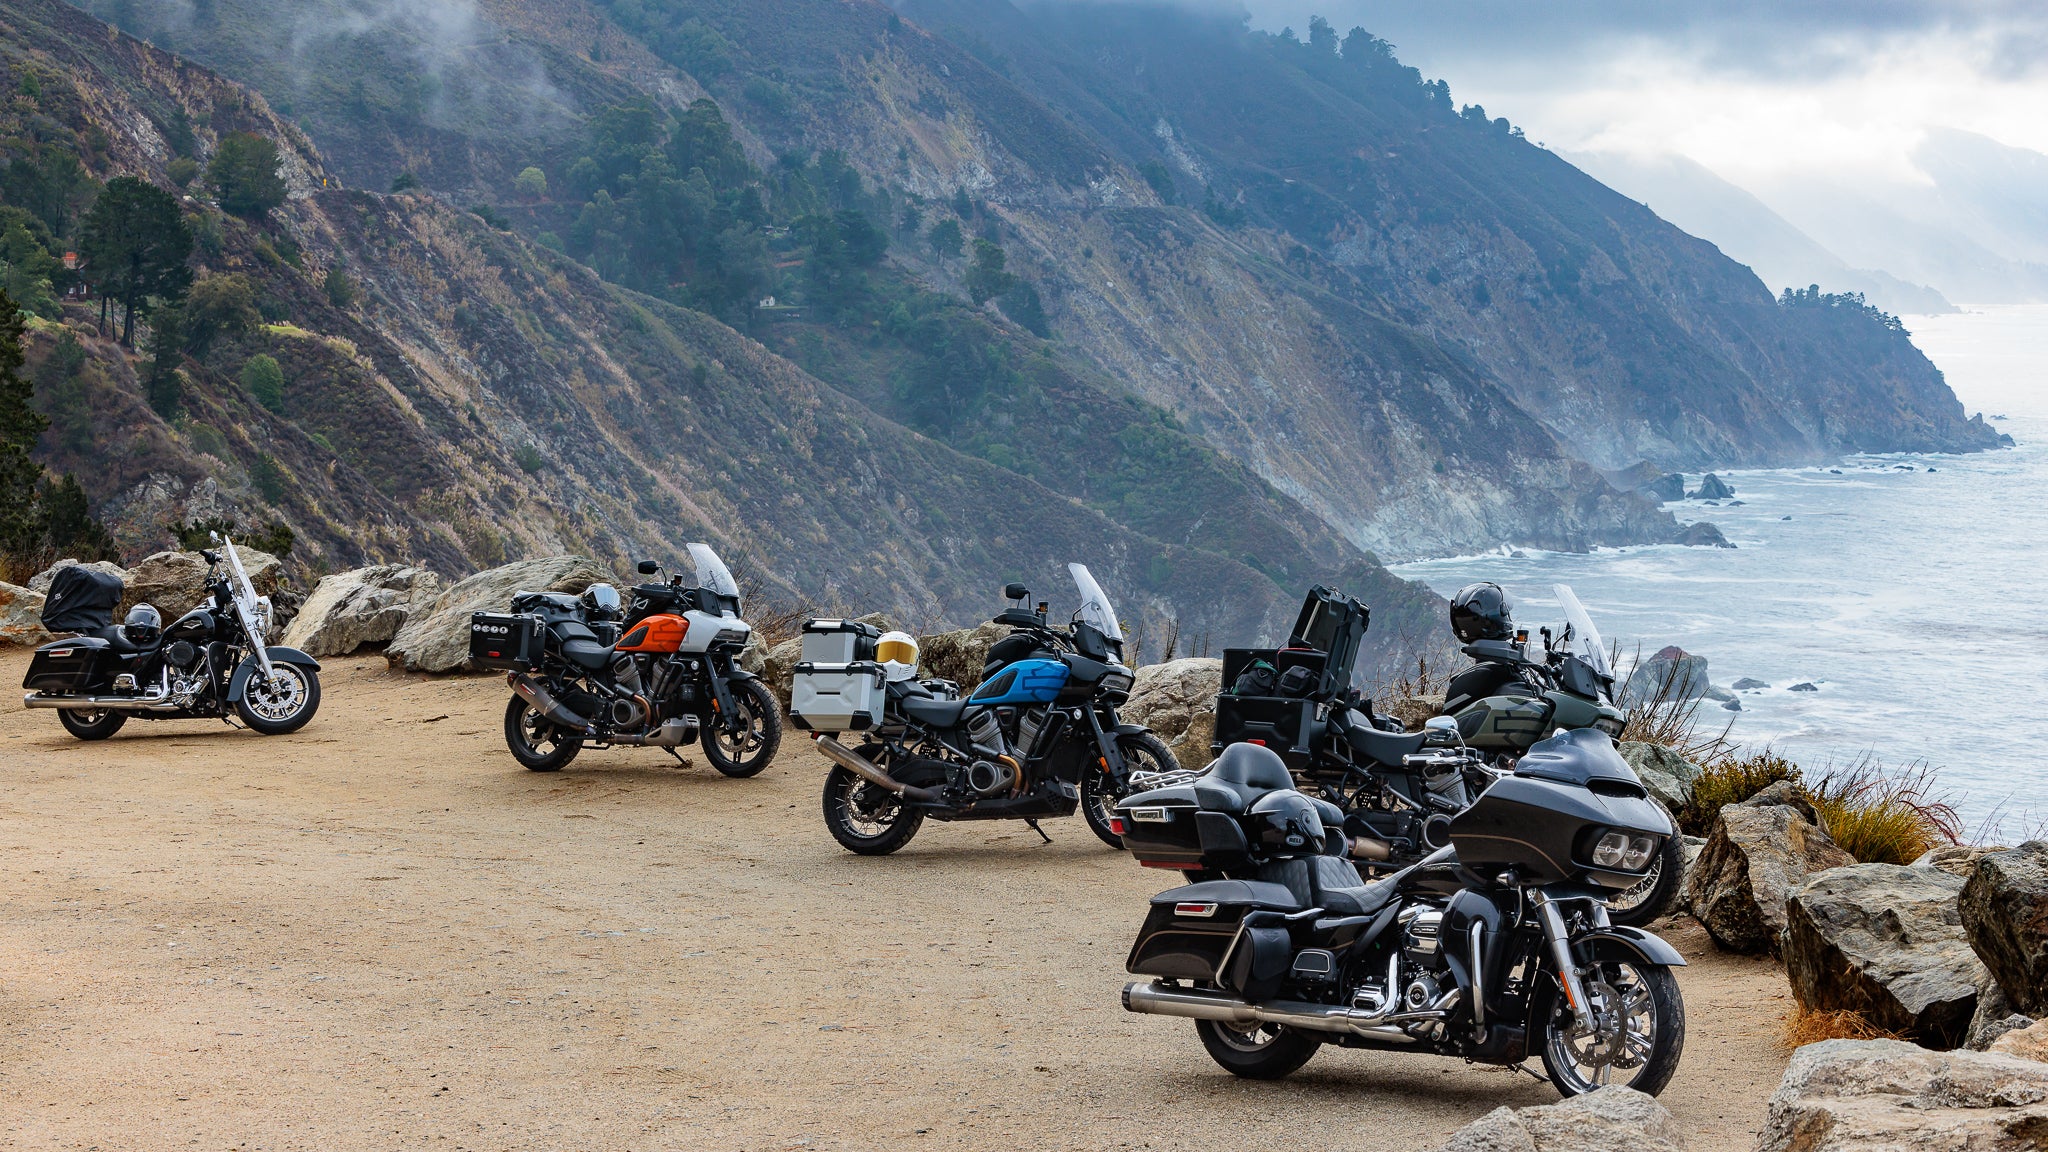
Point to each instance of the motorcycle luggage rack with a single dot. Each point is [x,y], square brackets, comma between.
[1143,781]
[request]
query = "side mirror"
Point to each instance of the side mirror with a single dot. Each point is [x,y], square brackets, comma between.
[648,567]
[1441,730]
[1015,591]
[1439,724]
[213,536]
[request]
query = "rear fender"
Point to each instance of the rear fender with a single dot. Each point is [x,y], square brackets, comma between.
[278,655]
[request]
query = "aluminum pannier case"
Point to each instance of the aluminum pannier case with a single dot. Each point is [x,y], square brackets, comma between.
[836,698]
[506,641]
[838,641]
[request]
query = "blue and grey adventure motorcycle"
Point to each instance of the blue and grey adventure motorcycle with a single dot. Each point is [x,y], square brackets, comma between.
[1039,737]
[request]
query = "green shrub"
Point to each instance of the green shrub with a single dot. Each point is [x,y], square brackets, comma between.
[341,291]
[182,171]
[264,380]
[528,458]
[244,175]
[269,477]
[1731,781]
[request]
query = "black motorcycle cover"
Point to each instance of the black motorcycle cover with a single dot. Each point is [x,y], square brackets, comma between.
[81,599]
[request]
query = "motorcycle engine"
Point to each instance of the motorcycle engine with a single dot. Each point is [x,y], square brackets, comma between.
[985,729]
[626,673]
[186,665]
[1029,724]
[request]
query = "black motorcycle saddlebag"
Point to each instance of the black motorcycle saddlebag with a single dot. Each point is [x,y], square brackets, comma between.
[80,665]
[505,641]
[1189,929]
[1188,826]
[81,599]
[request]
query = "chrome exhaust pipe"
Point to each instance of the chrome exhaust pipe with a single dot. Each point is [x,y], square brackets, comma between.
[1159,1000]
[535,693]
[156,702]
[843,756]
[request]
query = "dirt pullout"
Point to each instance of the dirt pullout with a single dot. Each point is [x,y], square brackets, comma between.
[381,932]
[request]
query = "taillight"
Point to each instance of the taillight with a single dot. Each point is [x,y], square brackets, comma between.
[1116,825]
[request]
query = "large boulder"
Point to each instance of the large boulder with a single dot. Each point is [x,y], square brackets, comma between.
[1890,1096]
[958,656]
[2028,1041]
[365,606]
[40,582]
[1887,942]
[1667,775]
[1758,853]
[175,582]
[1671,674]
[1995,1016]
[21,615]
[1958,860]
[2005,912]
[1666,488]
[1177,700]
[1701,534]
[1611,1119]
[1712,487]
[437,640]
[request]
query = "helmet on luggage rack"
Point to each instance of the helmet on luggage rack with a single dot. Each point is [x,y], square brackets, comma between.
[1480,612]
[897,653]
[143,626]
[1286,823]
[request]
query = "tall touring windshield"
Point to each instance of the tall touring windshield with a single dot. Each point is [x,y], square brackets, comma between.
[1586,643]
[1095,608]
[712,574]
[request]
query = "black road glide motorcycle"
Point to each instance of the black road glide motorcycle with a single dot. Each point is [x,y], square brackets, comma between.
[1490,948]
[658,672]
[212,661]
[1039,737]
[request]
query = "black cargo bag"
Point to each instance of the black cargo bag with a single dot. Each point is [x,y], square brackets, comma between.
[81,599]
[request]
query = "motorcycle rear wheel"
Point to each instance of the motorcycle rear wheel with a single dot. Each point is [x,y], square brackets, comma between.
[100,725]
[1263,1052]
[867,819]
[537,744]
[744,753]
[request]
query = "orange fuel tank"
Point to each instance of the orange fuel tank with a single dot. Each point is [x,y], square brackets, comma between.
[663,633]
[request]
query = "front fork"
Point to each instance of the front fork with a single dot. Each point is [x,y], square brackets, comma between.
[1111,757]
[721,696]
[1558,937]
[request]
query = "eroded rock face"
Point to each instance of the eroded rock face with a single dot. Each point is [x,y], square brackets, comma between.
[437,640]
[175,582]
[2005,911]
[958,656]
[1612,1119]
[21,611]
[1667,775]
[2028,1042]
[1862,1095]
[1759,852]
[1886,941]
[1995,1016]
[1177,700]
[365,606]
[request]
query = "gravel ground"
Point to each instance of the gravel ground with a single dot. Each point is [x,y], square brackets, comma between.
[380,932]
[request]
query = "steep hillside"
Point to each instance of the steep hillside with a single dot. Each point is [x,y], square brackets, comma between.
[453,393]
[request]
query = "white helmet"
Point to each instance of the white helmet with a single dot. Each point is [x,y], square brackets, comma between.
[896,652]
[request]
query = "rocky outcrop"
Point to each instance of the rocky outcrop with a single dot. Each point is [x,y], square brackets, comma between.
[2005,910]
[437,640]
[1665,488]
[1177,700]
[1612,1119]
[1701,534]
[366,606]
[1887,942]
[1867,1095]
[175,582]
[1995,1016]
[1671,674]
[21,612]
[40,582]
[958,656]
[1759,852]
[1667,775]
[1712,487]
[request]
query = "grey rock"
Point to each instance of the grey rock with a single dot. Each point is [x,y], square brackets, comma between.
[1731,705]
[437,639]
[175,582]
[1712,487]
[1667,775]
[363,606]
[1671,674]
[1701,534]
[958,656]
[1804,686]
[1957,860]
[2028,1041]
[40,582]
[1758,853]
[1177,700]
[1611,1119]
[21,612]
[1994,1017]
[1746,684]
[1885,941]
[2005,910]
[1666,488]
[1719,694]
[1890,1096]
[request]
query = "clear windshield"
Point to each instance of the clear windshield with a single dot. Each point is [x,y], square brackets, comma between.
[1585,641]
[1095,608]
[243,590]
[712,572]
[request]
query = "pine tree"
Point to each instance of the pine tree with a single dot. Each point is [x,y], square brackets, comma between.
[20,425]
[244,175]
[135,245]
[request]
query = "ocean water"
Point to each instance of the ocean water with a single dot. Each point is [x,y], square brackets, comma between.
[1910,590]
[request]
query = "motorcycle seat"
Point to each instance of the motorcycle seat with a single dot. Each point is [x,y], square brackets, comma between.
[116,637]
[587,653]
[933,713]
[1383,747]
[1251,771]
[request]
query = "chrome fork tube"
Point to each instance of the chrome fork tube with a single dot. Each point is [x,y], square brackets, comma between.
[1561,955]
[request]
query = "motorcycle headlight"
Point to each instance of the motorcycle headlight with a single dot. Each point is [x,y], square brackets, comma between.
[1611,725]
[1611,850]
[1640,849]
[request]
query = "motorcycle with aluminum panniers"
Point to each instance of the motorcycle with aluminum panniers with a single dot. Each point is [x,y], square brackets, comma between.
[657,670]
[1039,736]
[213,661]
[1494,947]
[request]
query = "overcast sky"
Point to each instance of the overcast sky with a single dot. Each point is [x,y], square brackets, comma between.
[1757,91]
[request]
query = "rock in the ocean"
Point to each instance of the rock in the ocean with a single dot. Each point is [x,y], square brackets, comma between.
[21,615]
[958,656]
[1746,684]
[1666,488]
[364,606]
[1758,853]
[1701,534]
[1885,941]
[40,582]
[1712,487]
[1611,1119]
[2005,910]
[1667,775]
[1177,700]
[1671,674]
[175,582]
[437,639]
[1890,1096]
[1804,686]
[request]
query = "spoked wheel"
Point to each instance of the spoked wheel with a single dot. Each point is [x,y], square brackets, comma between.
[91,725]
[537,742]
[1100,792]
[1256,1051]
[1652,896]
[867,819]
[748,750]
[280,702]
[1637,1035]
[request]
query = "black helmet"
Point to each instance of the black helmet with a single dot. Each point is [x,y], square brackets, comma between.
[1480,612]
[601,599]
[1286,823]
[143,626]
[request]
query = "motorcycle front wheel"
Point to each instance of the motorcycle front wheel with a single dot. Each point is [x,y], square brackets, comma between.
[1142,752]
[283,702]
[747,751]
[536,742]
[91,725]
[1638,1032]
[867,819]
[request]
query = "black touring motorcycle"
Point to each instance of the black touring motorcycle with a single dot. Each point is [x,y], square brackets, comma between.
[1039,737]
[659,671]
[1494,946]
[212,661]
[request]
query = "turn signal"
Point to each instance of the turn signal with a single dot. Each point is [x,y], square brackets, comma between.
[1116,825]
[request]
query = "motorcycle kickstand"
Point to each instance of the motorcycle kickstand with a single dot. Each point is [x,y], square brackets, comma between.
[1041,832]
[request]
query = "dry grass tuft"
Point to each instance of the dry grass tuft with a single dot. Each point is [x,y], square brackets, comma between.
[1663,715]
[1885,816]
[1811,1026]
